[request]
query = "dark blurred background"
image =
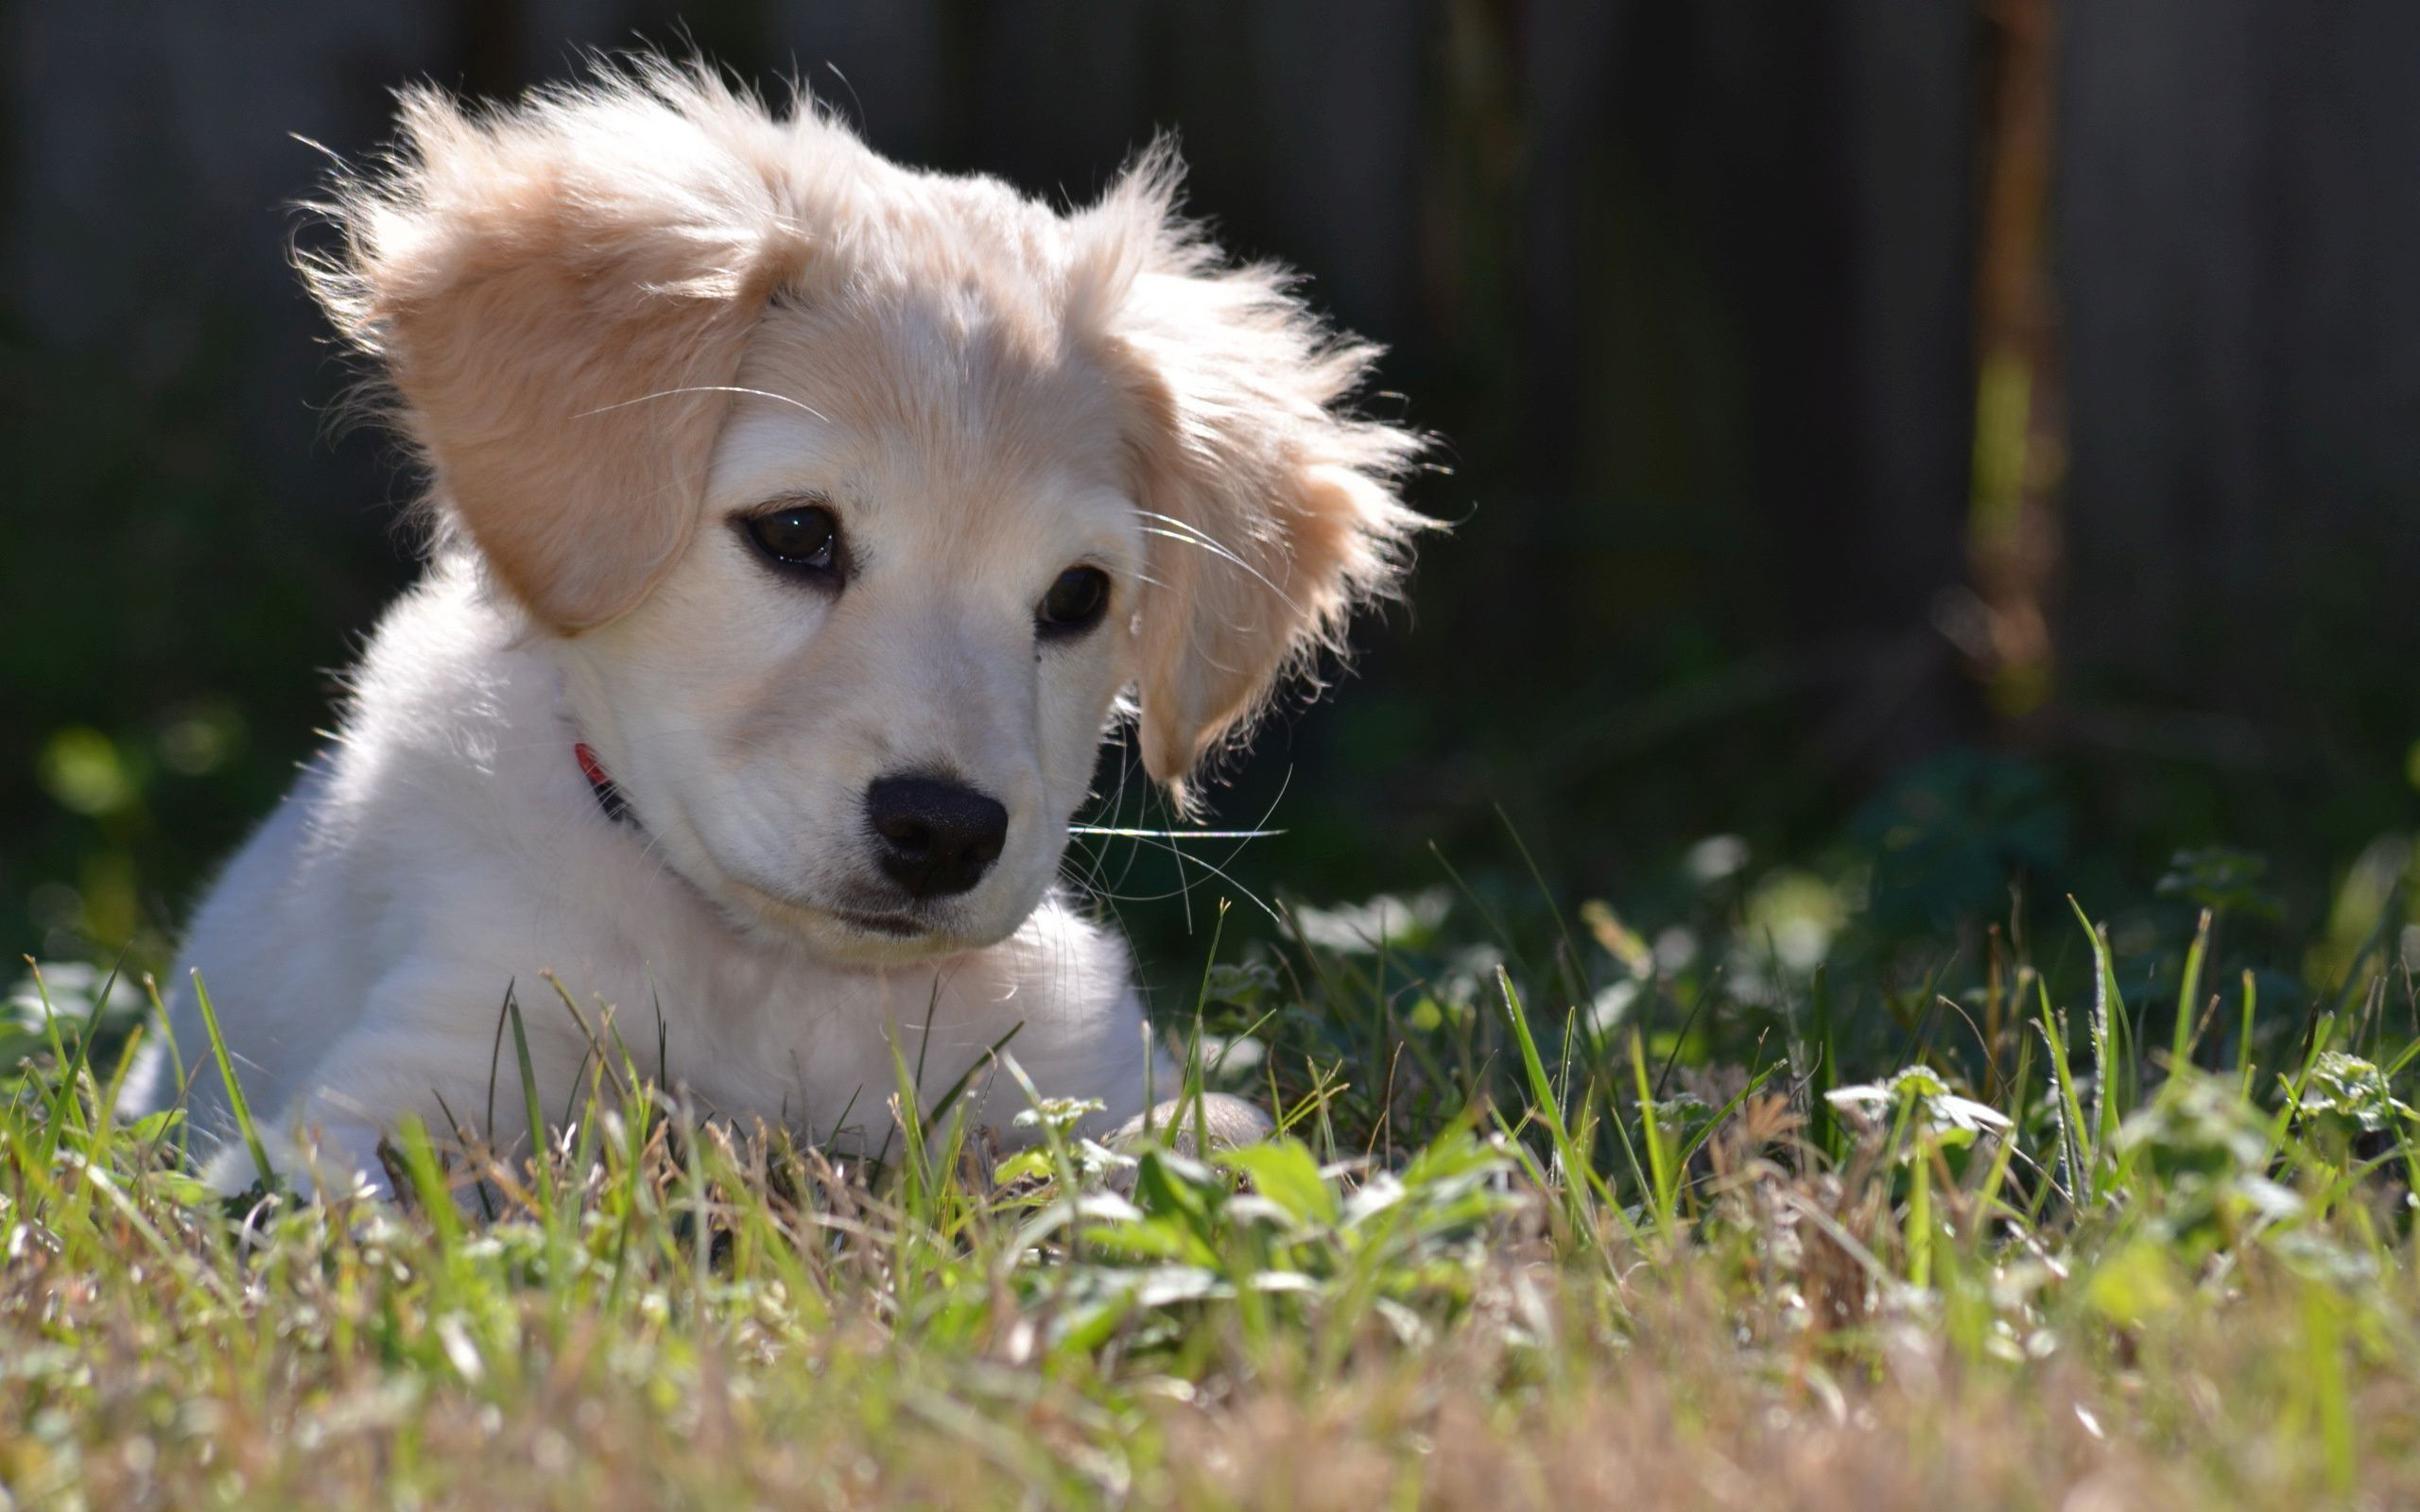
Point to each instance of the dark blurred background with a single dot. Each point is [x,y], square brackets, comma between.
[1896,448]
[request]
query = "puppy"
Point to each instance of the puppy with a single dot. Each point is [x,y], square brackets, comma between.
[800,522]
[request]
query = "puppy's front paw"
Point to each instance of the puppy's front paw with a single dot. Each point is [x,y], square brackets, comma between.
[1231,1122]
[327,1164]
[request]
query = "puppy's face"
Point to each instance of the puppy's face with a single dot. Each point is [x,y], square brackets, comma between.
[864,703]
[850,498]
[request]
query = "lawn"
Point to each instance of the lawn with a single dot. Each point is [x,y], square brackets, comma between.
[1750,1209]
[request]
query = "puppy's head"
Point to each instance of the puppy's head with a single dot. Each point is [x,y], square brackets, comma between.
[849,498]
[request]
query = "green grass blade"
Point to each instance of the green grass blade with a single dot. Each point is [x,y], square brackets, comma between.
[2243,1044]
[542,1163]
[1659,1161]
[236,1107]
[2107,1031]
[1580,1178]
[2189,993]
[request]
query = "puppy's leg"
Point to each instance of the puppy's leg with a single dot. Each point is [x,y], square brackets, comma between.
[426,1045]
[1231,1122]
[330,1160]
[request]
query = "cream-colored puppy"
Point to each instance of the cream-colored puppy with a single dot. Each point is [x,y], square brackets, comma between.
[799,521]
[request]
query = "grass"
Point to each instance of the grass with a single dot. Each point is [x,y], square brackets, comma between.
[1552,1222]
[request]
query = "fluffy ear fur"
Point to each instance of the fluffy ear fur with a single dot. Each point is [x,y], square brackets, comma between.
[556,291]
[1273,510]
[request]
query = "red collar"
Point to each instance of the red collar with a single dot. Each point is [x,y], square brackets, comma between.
[609,798]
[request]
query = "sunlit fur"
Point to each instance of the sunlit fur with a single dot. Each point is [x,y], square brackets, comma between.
[612,320]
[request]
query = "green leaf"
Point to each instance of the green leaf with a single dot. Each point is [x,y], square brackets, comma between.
[1285,1172]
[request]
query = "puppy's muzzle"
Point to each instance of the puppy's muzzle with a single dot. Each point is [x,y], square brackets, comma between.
[934,838]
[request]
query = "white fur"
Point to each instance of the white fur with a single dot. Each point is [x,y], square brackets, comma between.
[359,947]
[619,319]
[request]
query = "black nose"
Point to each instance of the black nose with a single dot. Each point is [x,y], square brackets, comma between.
[938,838]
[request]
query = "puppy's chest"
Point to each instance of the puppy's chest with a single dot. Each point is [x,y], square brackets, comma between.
[822,1052]
[757,1029]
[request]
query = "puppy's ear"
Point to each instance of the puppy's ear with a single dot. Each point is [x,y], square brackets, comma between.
[557,292]
[1272,510]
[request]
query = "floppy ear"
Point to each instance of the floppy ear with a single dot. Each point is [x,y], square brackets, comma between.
[1272,510]
[557,291]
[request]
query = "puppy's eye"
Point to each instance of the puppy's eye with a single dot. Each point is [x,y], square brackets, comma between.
[806,534]
[1075,602]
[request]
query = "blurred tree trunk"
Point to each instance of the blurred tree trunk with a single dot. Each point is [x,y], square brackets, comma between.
[1796,183]
[2020,437]
[2241,205]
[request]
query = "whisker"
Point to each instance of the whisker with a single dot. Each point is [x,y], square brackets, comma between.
[1193,533]
[1115,833]
[1246,893]
[1183,891]
[708,389]
[1117,806]
[1222,552]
